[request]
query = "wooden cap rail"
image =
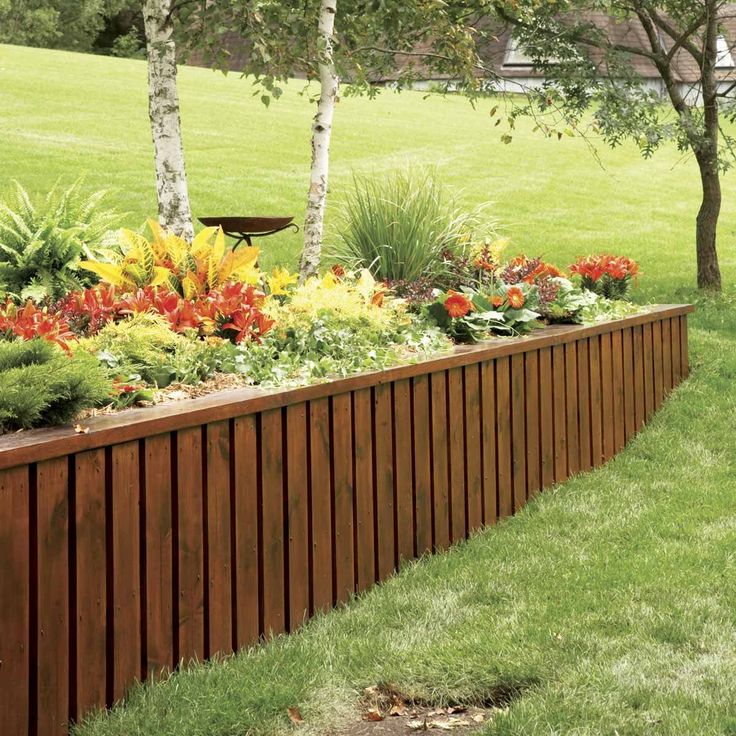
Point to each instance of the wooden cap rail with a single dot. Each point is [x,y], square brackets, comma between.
[43,444]
[194,528]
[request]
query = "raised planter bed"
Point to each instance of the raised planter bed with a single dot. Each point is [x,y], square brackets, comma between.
[171,533]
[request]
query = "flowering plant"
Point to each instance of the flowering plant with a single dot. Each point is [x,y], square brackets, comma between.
[606,275]
[466,316]
[30,321]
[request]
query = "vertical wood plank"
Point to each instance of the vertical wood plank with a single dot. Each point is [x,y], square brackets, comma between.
[15,572]
[503,430]
[219,564]
[666,356]
[608,412]
[91,580]
[246,528]
[159,556]
[546,417]
[404,481]
[619,414]
[342,439]
[629,392]
[364,490]
[52,505]
[639,384]
[533,452]
[560,412]
[297,494]
[676,356]
[125,511]
[383,441]
[321,512]
[471,383]
[596,402]
[190,491]
[488,414]
[658,364]
[584,430]
[272,510]
[684,348]
[571,412]
[422,465]
[518,431]
[648,354]
[456,424]
[440,483]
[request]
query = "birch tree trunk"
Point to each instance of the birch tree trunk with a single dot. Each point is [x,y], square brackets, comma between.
[174,212]
[321,134]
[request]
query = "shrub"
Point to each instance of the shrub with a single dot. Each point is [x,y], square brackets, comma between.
[144,347]
[41,244]
[402,227]
[40,385]
[188,269]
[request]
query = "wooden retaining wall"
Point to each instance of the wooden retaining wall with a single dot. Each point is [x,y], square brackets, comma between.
[191,529]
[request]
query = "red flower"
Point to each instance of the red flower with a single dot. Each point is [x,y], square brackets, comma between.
[595,267]
[29,322]
[515,296]
[338,270]
[457,305]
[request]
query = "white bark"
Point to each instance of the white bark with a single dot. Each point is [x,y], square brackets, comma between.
[321,134]
[174,212]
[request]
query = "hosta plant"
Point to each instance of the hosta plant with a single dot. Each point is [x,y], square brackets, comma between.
[188,269]
[42,243]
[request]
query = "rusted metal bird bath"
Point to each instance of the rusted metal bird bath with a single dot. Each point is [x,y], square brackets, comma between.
[245,228]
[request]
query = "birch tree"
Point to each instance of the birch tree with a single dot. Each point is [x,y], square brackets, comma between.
[174,212]
[321,135]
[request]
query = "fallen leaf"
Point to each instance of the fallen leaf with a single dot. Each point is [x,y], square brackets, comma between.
[373,715]
[478,718]
[79,429]
[398,709]
[457,709]
[417,725]
[295,715]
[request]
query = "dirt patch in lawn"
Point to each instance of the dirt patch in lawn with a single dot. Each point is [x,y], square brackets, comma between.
[387,712]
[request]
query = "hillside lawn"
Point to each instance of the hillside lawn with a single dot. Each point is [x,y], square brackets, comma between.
[609,603]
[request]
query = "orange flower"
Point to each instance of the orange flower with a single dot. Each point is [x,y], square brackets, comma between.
[457,305]
[515,296]
[497,301]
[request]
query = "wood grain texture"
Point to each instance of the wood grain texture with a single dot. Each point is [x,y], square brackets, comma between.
[546,417]
[440,466]
[584,428]
[219,542]
[639,381]
[125,532]
[91,536]
[52,633]
[559,408]
[488,417]
[648,371]
[272,509]
[473,460]
[321,511]
[572,401]
[629,391]
[246,530]
[160,632]
[518,431]
[456,439]
[365,536]
[342,458]
[297,518]
[608,412]
[15,573]
[619,433]
[596,402]
[503,438]
[422,437]
[383,441]
[190,522]
[404,470]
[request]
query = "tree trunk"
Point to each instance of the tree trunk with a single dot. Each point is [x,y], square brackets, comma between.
[321,134]
[709,274]
[174,212]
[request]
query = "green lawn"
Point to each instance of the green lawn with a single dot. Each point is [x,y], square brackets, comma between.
[609,601]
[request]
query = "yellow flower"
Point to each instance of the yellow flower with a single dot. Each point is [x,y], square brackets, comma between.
[279,281]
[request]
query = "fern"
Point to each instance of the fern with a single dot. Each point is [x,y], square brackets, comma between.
[41,244]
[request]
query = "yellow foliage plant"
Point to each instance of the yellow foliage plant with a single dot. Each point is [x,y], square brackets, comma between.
[189,269]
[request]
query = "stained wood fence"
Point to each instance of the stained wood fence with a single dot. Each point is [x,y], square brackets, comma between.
[188,530]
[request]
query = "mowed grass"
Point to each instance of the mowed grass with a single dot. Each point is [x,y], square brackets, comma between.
[609,602]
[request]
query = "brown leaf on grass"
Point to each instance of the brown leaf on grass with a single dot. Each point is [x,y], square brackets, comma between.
[397,709]
[417,724]
[373,715]
[295,715]
[478,717]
